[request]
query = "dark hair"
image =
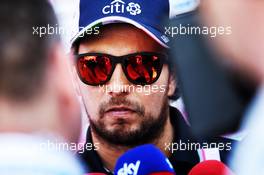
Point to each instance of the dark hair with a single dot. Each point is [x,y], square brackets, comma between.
[23,53]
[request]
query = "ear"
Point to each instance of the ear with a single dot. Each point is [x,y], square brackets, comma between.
[68,107]
[171,85]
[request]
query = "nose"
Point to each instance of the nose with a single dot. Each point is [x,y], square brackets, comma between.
[118,84]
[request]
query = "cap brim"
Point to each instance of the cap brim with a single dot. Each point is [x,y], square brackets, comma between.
[151,31]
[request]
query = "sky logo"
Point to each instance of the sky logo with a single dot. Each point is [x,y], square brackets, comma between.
[118,6]
[129,169]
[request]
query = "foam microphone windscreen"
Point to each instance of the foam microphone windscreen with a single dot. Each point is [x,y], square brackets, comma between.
[144,160]
[210,167]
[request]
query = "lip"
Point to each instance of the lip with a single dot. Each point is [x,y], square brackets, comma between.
[119,108]
[119,111]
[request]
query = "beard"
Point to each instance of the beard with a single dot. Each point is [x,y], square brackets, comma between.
[150,127]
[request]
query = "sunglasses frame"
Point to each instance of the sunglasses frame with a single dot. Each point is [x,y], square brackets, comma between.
[121,60]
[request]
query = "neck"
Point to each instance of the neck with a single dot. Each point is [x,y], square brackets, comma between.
[110,153]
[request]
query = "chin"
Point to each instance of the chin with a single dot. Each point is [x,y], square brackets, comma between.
[124,127]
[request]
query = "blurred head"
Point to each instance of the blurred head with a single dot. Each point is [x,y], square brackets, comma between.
[36,94]
[122,111]
[243,49]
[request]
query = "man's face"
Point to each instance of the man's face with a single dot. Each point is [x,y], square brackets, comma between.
[119,115]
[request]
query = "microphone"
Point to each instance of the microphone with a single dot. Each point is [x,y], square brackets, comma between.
[143,160]
[210,167]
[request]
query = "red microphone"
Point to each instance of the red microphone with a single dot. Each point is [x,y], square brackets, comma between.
[210,167]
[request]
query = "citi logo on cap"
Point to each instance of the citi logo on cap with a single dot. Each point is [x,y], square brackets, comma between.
[118,6]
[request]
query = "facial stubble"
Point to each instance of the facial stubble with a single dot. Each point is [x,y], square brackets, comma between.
[150,128]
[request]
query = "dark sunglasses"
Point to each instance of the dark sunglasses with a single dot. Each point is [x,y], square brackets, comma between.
[143,68]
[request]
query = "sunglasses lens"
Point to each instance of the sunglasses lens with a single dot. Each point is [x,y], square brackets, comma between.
[143,69]
[94,70]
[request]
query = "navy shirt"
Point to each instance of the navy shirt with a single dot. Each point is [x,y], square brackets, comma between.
[181,160]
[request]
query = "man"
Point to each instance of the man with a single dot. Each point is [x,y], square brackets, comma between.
[243,51]
[38,107]
[115,66]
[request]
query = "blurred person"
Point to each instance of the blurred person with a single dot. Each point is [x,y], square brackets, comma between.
[37,103]
[243,52]
[119,50]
